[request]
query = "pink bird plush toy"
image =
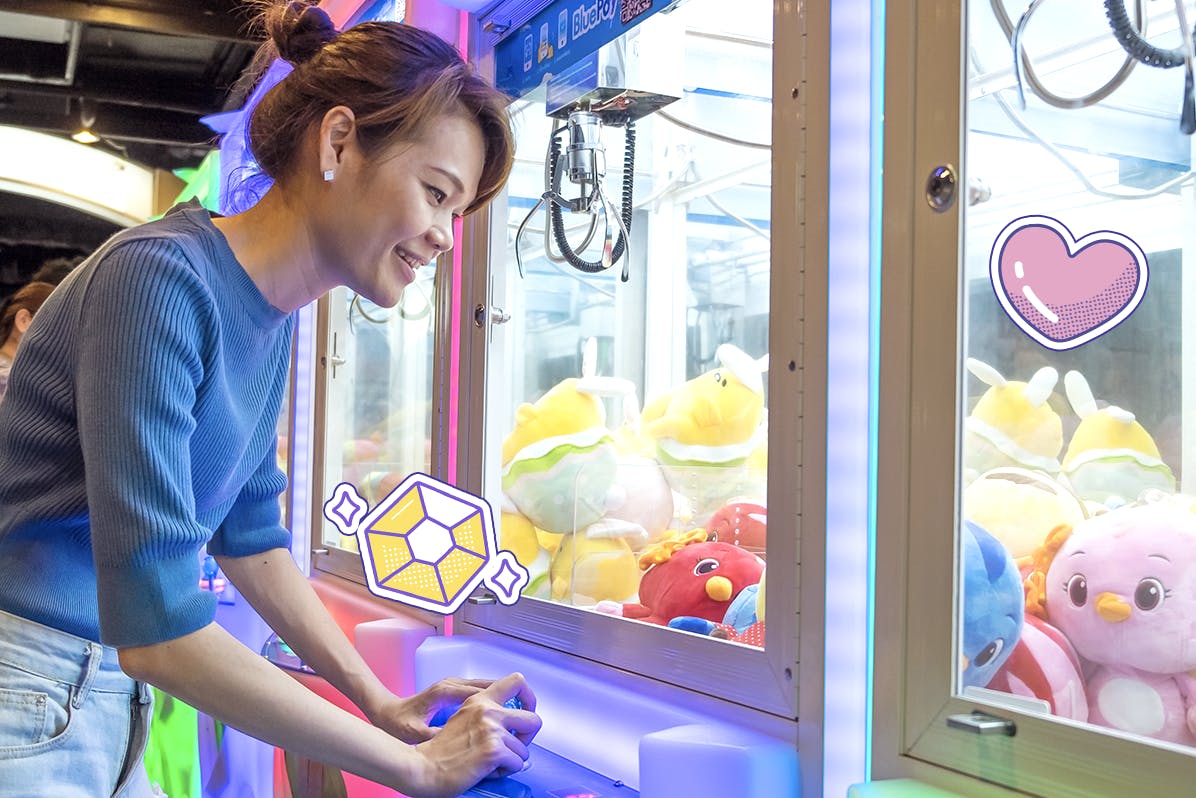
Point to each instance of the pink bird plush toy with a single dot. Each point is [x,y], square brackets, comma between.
[1122,588]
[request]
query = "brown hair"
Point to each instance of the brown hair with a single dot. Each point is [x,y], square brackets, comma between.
[30,298]
[397,79]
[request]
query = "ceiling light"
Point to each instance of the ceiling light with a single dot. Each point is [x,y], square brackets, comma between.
[87,118]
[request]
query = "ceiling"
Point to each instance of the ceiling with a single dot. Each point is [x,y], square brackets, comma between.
[146,71]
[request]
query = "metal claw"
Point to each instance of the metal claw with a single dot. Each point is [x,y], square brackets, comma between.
[519,233]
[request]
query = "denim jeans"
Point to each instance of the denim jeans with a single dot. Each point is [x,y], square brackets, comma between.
[72,724]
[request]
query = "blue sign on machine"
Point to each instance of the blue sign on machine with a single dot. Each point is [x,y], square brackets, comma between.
[562,34]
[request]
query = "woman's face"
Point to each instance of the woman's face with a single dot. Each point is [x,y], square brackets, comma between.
[390,215]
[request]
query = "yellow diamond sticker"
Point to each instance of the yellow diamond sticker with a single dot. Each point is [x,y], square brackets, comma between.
[403,516]
[470,535]
[427,544]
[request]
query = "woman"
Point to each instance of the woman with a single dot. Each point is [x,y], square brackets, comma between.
[15,318]
[139,427]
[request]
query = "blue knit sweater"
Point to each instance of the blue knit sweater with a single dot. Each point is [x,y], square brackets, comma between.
[139,425]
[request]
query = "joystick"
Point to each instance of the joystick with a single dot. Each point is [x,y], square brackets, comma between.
[444,713]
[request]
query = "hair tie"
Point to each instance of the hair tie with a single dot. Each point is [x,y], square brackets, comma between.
[303,31]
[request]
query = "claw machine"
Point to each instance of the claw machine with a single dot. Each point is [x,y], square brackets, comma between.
[656,340]
[1035,507]
[641,387]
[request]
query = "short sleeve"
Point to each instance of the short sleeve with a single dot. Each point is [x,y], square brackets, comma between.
[145,321]
[254,524]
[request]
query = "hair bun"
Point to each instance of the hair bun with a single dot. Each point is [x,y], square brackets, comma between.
[299,30]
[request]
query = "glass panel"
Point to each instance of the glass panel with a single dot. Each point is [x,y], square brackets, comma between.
[378,421]
[1078,554]
[631,416]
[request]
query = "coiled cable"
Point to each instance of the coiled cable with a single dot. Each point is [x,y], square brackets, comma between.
[557,220]
[1129,37]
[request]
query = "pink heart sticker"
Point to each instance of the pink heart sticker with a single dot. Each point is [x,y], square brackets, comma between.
[1061,291]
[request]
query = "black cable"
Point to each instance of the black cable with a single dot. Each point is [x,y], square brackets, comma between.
[1133,43]
[557,221]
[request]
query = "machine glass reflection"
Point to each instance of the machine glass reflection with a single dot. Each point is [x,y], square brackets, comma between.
[632,415]
[1078,532]
[378,418]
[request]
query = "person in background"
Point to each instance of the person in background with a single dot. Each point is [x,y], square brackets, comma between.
[15,318]
[140,427]
[55,270]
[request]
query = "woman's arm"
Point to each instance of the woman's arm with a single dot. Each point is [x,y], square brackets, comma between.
[282,595]
[215,673]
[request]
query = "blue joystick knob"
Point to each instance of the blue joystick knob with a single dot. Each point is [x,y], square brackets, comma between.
[444,713]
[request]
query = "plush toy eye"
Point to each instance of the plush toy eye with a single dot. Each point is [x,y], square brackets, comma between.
[1077,590]
[989,653]
[1149,594]
[705,566]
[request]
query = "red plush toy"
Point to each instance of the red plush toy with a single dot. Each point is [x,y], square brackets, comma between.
[740,522]
[1044,665]
[688,575]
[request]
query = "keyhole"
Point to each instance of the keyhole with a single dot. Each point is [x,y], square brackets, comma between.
[940,188]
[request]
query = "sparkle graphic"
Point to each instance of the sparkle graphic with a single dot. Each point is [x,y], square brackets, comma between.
[345,508]
[508,579]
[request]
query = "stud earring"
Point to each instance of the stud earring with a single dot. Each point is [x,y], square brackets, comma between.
[328,175]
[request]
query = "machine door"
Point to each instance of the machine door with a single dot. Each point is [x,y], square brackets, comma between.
[1039,320]
[376,372]
[627,405]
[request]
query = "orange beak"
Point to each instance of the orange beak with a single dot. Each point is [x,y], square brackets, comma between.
[718,588]
[1112,607]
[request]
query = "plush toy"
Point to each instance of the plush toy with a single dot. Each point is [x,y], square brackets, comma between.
[740,522]
[377,485]
[688,575]
[559,461]
[1044,665]
[757,461]
[641,496]
[1020,507]
[743,611]
[1122,588]
[993,605]
[1012,424]
[1111,458]
[588,569]
[549,541]
[706,430]
[517,535]
[743,623]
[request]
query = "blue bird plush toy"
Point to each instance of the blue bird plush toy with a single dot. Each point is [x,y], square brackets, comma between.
[993,605]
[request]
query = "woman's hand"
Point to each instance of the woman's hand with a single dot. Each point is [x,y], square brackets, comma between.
[407,718]
[482,739]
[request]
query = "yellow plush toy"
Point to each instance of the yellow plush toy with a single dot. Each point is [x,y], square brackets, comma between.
[706,430]
[1111,458]
[1020,507]
[1012,424]
[586,570]
[517,535]
[559,460]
